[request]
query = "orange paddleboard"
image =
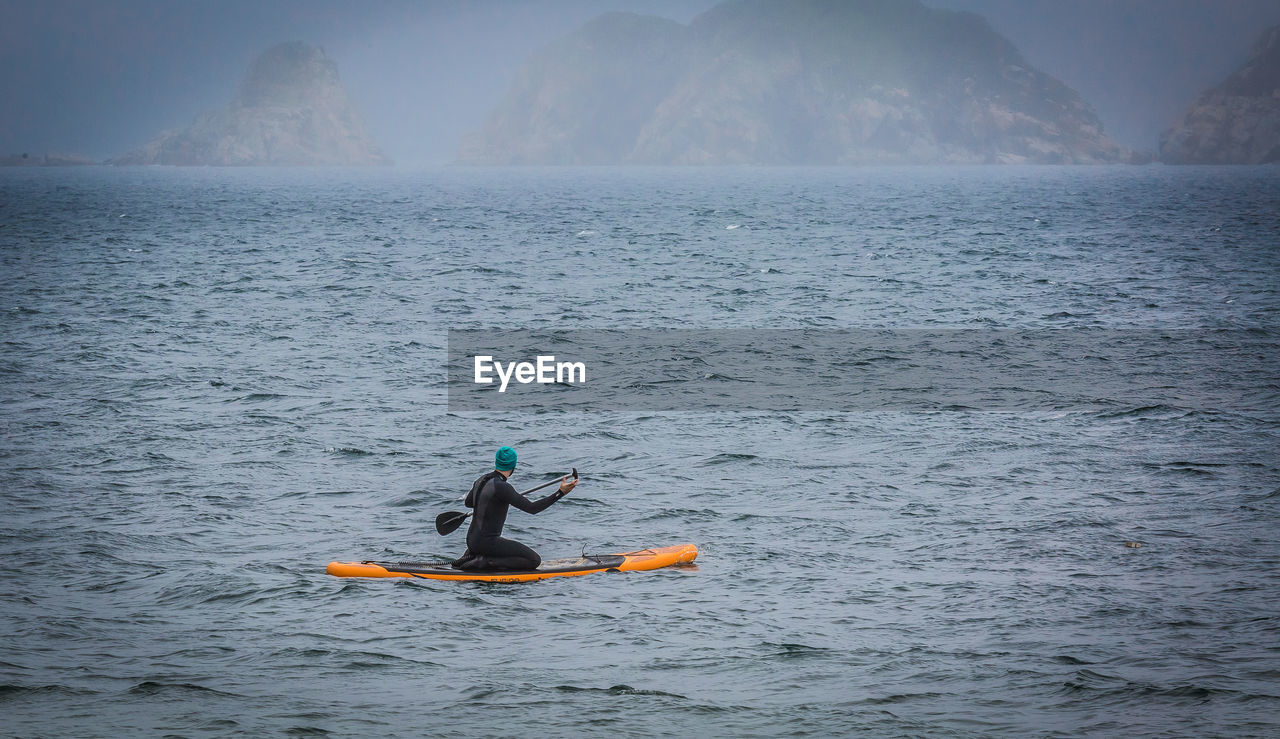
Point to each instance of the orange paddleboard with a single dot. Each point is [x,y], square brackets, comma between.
[643,559]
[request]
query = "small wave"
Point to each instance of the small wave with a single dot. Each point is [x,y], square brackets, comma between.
[470,270]
[901,698]
[1185,468]
[307,731]
[349,451]
[794,650]
[19,692]
[1066,659]
[684,515]
[618,690]
[1085,680]
[731,227]
[1112,686]
[728,458]
[258,397]
[413,500]
[1138,411]
[153,687]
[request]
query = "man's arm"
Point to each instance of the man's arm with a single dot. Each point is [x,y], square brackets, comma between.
[537,506]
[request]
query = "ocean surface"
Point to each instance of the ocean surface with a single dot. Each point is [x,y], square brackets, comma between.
[215,381]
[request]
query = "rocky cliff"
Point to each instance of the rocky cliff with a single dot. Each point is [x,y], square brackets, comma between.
[1237,122]
[789,82]
[290,110]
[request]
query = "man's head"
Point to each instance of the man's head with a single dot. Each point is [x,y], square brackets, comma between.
[505,460]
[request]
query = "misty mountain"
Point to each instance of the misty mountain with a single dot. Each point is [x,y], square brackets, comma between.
[1236,122]
[290,110]
[789,82]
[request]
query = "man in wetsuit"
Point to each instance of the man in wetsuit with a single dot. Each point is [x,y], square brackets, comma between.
[491,496]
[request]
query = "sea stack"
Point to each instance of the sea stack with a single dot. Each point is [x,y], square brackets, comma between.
[290,110]
[789,82]
[1237,122]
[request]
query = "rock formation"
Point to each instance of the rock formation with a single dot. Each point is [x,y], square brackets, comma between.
[290,110]
[1237,122]
[789,82]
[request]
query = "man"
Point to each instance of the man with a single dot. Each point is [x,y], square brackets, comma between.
[491,496]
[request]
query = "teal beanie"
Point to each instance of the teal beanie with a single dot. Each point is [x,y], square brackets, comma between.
[505,459]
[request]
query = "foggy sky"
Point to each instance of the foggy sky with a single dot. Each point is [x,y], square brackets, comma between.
[100,77]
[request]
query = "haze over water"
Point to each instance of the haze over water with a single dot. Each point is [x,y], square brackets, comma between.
[215,381]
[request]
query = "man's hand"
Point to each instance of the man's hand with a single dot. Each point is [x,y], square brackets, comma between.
[566,484]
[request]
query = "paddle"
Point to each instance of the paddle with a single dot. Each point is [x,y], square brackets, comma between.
[449,521]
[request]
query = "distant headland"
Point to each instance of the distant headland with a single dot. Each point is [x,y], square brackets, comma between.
[790,82]
[290,110]
[1236,122]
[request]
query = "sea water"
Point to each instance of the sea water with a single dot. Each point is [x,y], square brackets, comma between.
[215,381]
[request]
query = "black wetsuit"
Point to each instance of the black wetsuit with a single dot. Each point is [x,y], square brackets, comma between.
[491,496]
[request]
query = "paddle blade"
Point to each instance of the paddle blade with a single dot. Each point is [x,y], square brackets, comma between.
[449,521]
